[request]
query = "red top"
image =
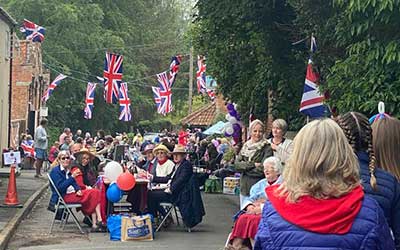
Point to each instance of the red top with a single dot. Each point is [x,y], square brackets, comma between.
[79,178]
[327,216]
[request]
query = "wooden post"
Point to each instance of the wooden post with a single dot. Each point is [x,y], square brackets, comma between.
[190,80]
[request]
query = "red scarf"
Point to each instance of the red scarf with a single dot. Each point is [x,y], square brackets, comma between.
[326,216]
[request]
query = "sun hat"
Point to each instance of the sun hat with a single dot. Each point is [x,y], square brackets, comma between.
[85,151]
[149,147]
[179,149]
[161,147]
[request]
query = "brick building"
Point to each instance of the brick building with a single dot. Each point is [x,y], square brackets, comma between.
[27,88]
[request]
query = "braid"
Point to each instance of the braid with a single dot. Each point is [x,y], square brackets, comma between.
[359,134]
[371,155]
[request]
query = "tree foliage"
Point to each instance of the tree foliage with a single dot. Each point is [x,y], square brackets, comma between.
[78,33]
[249,48]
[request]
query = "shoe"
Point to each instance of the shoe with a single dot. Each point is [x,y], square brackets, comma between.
[87,221]
[168,222]
[97,230]
[102,225]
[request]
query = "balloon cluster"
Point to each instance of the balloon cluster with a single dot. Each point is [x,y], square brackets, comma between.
[120,181]
[233,127]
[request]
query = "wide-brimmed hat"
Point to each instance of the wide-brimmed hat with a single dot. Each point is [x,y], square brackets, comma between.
[162,148]
[149,147]
[179,149]
[85,151]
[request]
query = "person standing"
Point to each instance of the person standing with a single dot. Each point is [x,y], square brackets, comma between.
[41,142]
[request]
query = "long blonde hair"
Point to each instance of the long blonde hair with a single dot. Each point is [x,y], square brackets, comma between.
[386,141]
[322,165]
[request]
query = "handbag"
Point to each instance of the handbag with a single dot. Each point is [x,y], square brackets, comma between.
[137,228]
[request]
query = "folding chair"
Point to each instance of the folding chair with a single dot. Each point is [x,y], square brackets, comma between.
[67,209]
[169,207]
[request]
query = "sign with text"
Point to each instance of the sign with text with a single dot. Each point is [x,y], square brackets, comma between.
[12,158]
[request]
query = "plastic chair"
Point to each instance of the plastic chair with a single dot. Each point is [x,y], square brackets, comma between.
[67,210]
[169,209]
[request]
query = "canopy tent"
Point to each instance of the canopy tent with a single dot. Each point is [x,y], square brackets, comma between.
[217,128]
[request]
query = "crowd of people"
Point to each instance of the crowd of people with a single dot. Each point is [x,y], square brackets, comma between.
[336,184]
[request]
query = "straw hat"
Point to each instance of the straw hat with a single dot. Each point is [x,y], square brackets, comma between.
[149,147]
[179,149]
[85,151]
[162,148]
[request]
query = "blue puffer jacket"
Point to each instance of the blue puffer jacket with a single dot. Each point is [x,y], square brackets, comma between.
[369,231]
[387,194]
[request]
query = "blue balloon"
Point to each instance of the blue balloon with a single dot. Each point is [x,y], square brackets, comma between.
[114,194]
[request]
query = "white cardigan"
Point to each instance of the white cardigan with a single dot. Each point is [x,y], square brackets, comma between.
[284,149]
[165,169]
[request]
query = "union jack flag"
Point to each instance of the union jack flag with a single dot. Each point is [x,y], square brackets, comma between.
[201,75]
[312,101]
[163,94]
[32,31]
[112,77]
[27,146]
[89,100]
[124,103]
[174,68]
[52,86]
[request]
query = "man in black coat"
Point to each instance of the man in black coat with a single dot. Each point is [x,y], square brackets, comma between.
[181,176]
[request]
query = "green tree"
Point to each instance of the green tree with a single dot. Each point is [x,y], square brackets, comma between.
[78,33]
[248,49]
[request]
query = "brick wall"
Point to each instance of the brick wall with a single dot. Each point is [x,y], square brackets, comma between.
[21,79]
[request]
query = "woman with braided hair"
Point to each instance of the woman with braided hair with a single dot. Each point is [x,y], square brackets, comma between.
[377,183]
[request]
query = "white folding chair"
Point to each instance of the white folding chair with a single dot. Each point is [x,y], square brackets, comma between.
[169,207]
[67,209]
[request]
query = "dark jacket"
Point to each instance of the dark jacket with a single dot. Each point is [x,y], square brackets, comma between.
[250,174]
[147,164]
[368,231]
[387,194]
[61,182]
[186,195]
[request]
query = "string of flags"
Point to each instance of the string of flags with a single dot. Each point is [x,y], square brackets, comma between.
[201,78]
[115,90]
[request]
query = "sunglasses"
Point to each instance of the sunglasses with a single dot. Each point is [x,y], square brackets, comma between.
[64,158]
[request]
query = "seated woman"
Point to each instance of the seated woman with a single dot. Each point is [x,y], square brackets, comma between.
[181,176]
[65,182]
[138,195]
[164,168]
[246,225]
[87,177]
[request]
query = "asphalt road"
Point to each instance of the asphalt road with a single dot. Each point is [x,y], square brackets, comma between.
[32,234]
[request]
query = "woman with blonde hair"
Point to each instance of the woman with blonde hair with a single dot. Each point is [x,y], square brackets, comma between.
[250,158]
[321,203]
[377,183]
[386,143]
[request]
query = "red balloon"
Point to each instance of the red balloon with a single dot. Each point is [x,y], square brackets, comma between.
[126,181]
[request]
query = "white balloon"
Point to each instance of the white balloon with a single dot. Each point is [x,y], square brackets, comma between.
[229,130]
[227,116]
[232,120]
[112,170]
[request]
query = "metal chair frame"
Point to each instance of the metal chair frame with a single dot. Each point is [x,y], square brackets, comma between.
[67,210]
[171,208]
